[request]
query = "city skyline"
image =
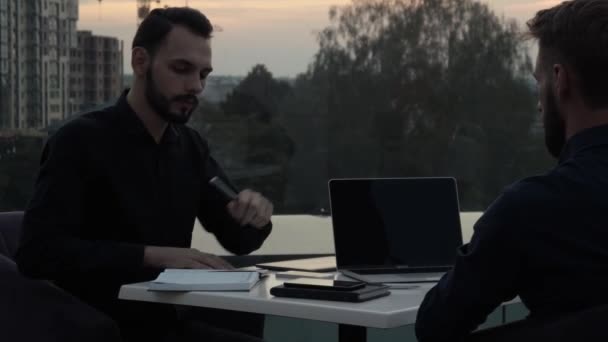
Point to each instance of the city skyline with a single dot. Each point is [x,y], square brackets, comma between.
[277,33]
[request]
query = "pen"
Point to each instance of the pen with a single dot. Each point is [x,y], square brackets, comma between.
[223,188]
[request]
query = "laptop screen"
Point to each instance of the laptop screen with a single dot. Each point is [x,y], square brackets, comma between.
[395,222]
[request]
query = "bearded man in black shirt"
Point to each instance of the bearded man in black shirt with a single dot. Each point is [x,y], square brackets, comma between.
[119,190]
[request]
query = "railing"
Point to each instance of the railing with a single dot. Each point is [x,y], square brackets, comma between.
[302,235]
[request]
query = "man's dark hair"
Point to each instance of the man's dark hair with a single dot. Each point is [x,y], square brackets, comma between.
[155,27]
[575,33]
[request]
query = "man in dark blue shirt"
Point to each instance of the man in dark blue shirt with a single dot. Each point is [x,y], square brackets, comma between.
[119,189]
[545,239]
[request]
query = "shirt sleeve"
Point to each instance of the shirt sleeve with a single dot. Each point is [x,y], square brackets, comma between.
[52,244]
[214,215]
[486,274]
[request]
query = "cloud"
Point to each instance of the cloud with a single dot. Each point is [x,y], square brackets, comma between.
[276,32]
[531,6]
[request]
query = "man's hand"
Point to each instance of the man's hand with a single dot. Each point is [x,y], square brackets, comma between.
[171,257]
[251,208]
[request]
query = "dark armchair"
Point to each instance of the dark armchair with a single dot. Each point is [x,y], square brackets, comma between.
[36,310]
[10,225]
[590,325]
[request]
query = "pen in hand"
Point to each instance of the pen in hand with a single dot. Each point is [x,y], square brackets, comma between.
[224,189]
[247,207]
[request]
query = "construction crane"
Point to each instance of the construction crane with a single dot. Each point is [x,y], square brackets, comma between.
[143,8]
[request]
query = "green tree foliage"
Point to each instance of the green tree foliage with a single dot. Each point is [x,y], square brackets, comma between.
[258,95]
[397,88]
[246,137]
[419,88]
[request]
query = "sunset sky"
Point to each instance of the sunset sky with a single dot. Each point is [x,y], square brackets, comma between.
[278,33]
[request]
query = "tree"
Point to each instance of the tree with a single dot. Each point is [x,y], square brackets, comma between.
[419,88]
[246,136]
[258,95]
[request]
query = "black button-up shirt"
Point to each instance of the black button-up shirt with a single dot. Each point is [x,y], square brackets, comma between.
[545,239]
[106,190]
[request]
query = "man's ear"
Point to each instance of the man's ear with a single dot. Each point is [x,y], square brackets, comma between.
[562,80]
[140,61]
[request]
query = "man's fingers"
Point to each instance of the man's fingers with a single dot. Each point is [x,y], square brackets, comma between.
[259,222]
[255,213]
[267,210]
[251,208]
[200,258]
[243,206]
[251,214]
[239,209]
[211,260]
[226,264]
[199,266]
[258,204]
[223,264]
[264,214]
[262,218]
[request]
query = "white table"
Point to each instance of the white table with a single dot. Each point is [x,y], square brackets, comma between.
[398,309]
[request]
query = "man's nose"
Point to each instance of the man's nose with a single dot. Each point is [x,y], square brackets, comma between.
[196,86]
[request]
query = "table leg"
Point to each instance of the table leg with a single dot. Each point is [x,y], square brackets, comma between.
[352,333]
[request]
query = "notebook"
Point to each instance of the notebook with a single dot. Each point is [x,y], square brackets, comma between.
[204,280]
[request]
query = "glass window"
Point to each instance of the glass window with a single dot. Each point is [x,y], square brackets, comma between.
[308,90]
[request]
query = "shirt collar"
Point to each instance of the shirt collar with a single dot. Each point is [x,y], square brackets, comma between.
[591,137]
[133,125]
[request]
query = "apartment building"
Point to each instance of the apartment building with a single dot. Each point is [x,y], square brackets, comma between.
[36,37]
[96,72]
[49,71]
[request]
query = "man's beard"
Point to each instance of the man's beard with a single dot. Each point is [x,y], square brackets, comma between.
[161,104]
[555,127]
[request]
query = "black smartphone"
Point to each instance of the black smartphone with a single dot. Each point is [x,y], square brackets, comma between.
[324,284]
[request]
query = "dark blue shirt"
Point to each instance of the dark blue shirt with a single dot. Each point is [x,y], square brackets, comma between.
[545,239]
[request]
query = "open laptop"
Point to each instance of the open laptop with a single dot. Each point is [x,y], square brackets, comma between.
[390,230]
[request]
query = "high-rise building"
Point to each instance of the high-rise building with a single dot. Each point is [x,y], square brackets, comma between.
[36,37]
[59,23]
[5,115]
[96,70]
[48,70]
